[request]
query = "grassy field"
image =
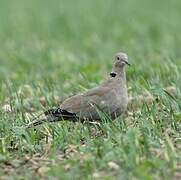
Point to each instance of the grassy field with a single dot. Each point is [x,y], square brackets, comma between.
[50,50]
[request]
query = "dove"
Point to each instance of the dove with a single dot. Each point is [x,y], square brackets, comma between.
[110,98]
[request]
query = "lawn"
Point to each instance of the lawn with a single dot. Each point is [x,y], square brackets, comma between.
[50,50]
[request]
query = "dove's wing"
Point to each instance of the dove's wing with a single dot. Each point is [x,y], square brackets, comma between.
[86,106]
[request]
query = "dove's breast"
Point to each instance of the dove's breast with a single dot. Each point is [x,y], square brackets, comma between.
[119,97]
[119,103]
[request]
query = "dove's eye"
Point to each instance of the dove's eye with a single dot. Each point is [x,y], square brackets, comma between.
[118,58]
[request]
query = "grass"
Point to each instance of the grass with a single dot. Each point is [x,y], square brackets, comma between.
[54,50]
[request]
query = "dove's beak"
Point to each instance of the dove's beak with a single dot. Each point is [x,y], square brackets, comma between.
[126,62]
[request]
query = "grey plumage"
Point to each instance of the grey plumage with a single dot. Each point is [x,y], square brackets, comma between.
[110,98]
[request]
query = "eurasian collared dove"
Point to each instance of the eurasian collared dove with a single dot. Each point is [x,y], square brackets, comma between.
[111,98]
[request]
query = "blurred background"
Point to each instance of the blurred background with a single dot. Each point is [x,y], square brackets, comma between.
[50,50]
[44,41]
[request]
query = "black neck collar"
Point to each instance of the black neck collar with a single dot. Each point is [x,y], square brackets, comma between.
[113,74]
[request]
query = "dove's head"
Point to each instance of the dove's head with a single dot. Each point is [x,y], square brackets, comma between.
[120,60]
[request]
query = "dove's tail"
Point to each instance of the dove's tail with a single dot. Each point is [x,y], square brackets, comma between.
[52,115]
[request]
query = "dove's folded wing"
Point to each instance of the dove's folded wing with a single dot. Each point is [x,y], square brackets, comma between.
[86,106]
